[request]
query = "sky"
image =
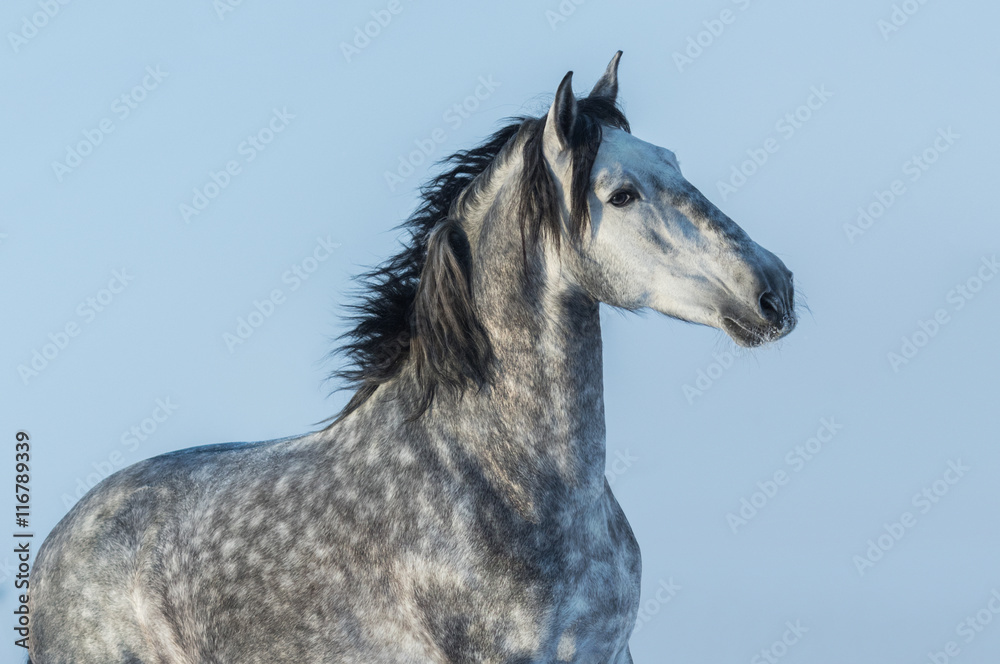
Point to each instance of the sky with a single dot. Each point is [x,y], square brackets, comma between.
[186,189]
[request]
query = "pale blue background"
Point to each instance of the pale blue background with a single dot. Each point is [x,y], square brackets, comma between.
[324,176]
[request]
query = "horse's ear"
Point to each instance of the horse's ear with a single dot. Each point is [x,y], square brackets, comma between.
[562,117]
[607,86]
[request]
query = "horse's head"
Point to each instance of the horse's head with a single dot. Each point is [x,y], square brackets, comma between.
[653,239]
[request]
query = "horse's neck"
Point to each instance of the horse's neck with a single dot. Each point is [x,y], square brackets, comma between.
[537,432]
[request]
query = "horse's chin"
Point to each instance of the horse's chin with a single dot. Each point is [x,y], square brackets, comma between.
[753,334]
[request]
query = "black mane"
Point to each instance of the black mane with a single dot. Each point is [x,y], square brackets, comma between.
[417,305]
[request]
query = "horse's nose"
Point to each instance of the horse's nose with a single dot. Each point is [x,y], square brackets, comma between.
[775,302]
[771,309]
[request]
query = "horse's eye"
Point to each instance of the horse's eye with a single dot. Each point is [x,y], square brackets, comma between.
[622,198]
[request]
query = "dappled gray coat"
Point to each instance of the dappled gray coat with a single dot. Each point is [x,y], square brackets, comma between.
[457,510]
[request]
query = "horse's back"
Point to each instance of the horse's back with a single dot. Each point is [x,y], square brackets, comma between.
[98,591]
[249,553]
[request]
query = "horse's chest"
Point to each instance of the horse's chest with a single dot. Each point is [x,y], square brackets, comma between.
[596,613]
[575,601]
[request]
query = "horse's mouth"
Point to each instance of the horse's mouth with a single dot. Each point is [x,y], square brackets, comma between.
[751,335]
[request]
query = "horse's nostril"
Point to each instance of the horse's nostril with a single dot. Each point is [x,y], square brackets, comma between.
[771,309]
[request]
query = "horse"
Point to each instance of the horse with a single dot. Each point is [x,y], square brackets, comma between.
[457,509]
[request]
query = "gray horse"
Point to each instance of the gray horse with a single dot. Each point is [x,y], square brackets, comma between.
[457,509]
